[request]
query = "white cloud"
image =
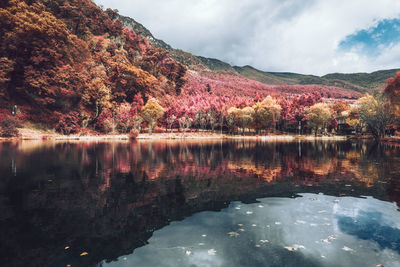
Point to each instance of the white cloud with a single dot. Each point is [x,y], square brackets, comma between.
[272,35]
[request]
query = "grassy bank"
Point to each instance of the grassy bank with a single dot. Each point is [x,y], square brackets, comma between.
[34,134]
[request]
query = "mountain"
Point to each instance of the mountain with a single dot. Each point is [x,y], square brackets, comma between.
[360,82]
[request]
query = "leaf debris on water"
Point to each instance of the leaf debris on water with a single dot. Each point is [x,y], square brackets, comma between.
[347,249]
[233,234]
[295,247]
[211,252]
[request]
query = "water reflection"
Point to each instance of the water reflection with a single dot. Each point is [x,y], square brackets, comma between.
[108,198]
[305,231]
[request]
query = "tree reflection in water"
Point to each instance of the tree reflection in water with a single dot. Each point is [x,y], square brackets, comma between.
[107,198]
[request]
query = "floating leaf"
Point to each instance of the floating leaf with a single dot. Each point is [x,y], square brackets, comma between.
[294,247]
[347,249]
[233,234]
[211,252]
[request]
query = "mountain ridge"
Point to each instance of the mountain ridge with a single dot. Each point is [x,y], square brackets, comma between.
[360,82]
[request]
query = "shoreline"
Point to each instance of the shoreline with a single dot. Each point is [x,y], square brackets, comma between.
[169,136]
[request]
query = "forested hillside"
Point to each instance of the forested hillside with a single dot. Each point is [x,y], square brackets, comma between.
[62,56]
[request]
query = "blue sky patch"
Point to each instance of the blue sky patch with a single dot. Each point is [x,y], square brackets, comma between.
[371,41]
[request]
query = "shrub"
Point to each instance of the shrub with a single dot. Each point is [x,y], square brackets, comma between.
[133,134]
[9,127]
[105,122]
[69,123]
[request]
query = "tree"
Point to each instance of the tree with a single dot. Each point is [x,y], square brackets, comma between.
[9,127]
[266,113]
[212,118]
[170,120]
[185,122]
[151,113]
[69,123]
[392,89]
[339,106]
[353,119]
[318,116]
[245,117]
[232,118]
[376,112]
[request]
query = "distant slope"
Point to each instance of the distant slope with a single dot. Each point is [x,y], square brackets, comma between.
[371,81]
[359,82]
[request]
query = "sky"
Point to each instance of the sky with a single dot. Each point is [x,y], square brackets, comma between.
[303,36]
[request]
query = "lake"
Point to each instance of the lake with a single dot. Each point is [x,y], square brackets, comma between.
[199,203]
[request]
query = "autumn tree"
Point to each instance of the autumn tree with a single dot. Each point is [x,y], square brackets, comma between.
[352,118]
[318,116]
[185,123]
[232,118]
[97,96]
[245,117]
[212,118]
[151,113]
[376,112]
[266,113]
[392,89]
[170,121]
[338,107]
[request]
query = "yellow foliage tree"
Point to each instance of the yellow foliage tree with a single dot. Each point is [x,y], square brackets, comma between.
[266,113]
[318,116]
[151,113]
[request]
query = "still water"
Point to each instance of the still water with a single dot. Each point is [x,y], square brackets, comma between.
[208,203]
